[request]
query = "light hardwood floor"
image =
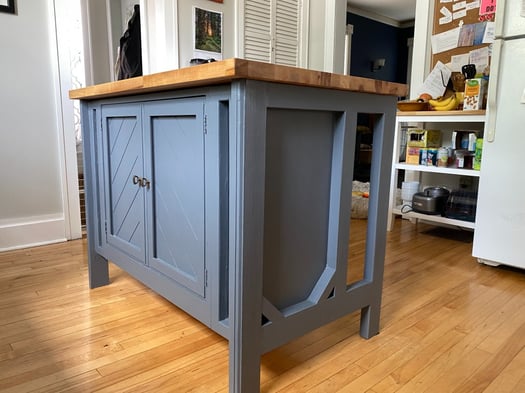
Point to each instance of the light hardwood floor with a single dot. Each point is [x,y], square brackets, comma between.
[448,324]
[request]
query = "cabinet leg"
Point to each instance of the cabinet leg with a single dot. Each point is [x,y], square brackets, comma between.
[98,267]
[244,365]
[369,321]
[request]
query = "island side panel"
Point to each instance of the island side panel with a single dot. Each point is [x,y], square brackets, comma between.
[254,215]
[299,154]
[296,301]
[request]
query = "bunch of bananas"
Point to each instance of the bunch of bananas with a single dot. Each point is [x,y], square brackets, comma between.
[448,103]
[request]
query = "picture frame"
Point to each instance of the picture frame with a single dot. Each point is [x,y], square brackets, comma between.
[7,6]
[207,34]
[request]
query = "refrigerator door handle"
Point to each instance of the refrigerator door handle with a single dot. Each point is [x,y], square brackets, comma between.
[490,126]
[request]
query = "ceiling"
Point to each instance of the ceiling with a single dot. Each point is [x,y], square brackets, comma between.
[396,10]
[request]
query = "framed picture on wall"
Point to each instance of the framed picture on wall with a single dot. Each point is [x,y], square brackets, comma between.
[207,34]
[7,6]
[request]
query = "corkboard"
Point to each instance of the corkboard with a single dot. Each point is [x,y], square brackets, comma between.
[472,16]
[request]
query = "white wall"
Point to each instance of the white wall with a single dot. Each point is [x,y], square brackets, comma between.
[31,144]
[168,33]
[104,22]
[98,55]
[186,24]
[421,45]
[327,29]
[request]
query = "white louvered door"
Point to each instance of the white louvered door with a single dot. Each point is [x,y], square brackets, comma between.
[272,30]
[257,30]
[287,32]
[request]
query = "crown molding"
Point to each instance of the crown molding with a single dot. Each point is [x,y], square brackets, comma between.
[379,18]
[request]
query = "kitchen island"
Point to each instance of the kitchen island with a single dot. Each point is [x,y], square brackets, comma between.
[226,188]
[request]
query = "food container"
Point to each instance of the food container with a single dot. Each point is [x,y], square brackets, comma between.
[477,154]
[475,92]
[423,156]
[468,161]
[472,138]
[459,158]
[412,156]
[423,138]
[432,157]
[462,138]
[442,157]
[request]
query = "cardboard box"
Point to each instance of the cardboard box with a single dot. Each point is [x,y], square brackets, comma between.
[423,138]
[475,94]
[413,153]
[461,139]
[431,157]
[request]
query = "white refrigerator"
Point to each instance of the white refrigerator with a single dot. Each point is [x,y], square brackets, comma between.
[499,236]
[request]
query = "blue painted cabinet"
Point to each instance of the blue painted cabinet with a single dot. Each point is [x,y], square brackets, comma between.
[233,202]
[152,187]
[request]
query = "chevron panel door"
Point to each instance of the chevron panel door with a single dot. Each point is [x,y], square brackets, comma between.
[123,145]
[175,138]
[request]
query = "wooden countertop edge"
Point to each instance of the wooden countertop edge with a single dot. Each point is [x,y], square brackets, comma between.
[231,69]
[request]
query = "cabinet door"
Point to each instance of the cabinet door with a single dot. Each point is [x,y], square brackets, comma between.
[174,132]
[123,166]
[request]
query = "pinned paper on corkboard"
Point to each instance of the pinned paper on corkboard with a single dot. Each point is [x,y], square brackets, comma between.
[461,27]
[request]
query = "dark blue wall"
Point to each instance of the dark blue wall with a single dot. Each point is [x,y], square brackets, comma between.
[373,40]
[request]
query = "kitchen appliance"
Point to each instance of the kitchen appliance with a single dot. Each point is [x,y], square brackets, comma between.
[461,205]
[431,201]
[500,217]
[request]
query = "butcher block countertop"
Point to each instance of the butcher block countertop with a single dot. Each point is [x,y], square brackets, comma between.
[226,71]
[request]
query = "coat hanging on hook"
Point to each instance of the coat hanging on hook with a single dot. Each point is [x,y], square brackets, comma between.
[129,61]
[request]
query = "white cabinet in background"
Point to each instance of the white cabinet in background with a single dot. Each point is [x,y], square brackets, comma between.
[447,122]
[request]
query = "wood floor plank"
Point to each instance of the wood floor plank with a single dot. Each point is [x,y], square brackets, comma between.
[448,324]
[455,375]
[482,378]
[511,379]
[465,312]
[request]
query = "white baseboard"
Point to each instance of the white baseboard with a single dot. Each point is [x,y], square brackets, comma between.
[31,232]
